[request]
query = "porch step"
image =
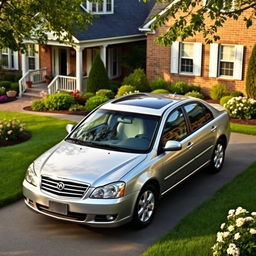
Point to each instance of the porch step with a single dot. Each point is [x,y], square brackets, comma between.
[34,92]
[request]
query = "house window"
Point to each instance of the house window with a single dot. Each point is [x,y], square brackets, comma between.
[31,57]
[226,61]
[99,7]
[186,58]
[9,58]
[227,58]
[114,65]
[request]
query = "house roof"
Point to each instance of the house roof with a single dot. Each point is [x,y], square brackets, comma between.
[157,8]
[128,16]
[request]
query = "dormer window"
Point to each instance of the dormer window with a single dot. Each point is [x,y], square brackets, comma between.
[99,7]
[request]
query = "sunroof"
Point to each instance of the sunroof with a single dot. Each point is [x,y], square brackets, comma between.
[145,101]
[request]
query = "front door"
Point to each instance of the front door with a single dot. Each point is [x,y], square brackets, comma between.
[63,61]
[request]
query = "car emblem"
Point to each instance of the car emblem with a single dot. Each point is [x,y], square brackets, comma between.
[60,186]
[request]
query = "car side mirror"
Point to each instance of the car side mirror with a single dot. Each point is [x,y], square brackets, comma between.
[69,128]
[172,145]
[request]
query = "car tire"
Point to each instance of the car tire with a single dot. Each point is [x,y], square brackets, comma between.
[218,157]
[145,206]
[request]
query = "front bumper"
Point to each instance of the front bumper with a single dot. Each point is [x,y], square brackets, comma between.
[92,212]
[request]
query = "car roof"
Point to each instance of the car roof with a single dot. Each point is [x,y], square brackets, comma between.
[144,103]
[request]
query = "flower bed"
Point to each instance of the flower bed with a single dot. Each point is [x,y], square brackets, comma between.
[12,132]
[238,234]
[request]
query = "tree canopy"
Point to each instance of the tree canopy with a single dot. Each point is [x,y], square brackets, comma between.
[189,17]
[24,20]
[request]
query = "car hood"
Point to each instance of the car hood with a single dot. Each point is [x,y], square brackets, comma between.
[87,164]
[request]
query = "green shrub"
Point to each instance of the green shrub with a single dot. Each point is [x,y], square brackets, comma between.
[250,75]
[11,77]
[106,93]
[18,77]
[5,84]
[38,105]
[159,83]
[114,85]
[88,95]
[180,87]
[241,107]
[195,94]
[94,102]
[15,87]
[236,94]
[195,88]
[98,76]
[137,79]
[125,89]
[218,91]
[160,91]
[76,107]
[225,99]
[58,101]
[2,91]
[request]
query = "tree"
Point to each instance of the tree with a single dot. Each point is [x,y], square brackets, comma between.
[189,17]
[98,76]
[26,20]
[251,75]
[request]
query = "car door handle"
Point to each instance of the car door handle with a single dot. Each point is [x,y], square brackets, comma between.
[190,145]
[214,128]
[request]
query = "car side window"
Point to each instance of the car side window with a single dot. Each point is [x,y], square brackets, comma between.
[175,127]
[198,115]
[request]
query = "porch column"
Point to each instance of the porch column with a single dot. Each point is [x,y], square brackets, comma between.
[79,68]
[103,54]
[24,65]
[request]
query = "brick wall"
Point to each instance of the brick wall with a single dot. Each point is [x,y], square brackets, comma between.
[233,32]
[45,57]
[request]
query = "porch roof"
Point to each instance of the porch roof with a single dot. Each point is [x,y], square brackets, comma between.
[128,16]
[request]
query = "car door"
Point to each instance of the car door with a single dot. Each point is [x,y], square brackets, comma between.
[173,164]
[202,136]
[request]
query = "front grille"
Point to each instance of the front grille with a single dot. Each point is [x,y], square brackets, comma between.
[63,188]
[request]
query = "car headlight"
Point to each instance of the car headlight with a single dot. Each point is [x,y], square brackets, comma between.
[31,176]
[110,191]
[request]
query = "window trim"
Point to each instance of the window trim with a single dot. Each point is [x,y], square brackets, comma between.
[110,62]
[222,60]
[12,59]
[175,65]
[89,5]
[188,58]
[214,62]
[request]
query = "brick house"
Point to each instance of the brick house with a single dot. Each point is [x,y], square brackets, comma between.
[199,63]
[112,33]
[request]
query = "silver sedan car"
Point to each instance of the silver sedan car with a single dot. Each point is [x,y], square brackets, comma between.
[116,163]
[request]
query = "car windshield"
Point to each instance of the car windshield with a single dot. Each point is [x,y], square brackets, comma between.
[128,132]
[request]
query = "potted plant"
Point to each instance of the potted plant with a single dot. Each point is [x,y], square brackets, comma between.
[48,78]
[11,93]
[29,84]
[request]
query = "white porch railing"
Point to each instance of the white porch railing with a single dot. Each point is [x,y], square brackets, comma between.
[35,76]
[62,83]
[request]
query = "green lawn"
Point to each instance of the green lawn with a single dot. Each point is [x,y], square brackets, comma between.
[14,160]
[243,128]
[196,233]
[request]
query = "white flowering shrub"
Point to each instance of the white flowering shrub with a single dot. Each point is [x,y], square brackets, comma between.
[237,235]
[11,130]
[241,107]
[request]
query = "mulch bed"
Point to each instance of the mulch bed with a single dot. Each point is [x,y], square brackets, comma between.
[66,112]
[4,143]
[243,121]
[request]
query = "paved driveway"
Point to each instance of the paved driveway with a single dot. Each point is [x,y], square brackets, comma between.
[23,232]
